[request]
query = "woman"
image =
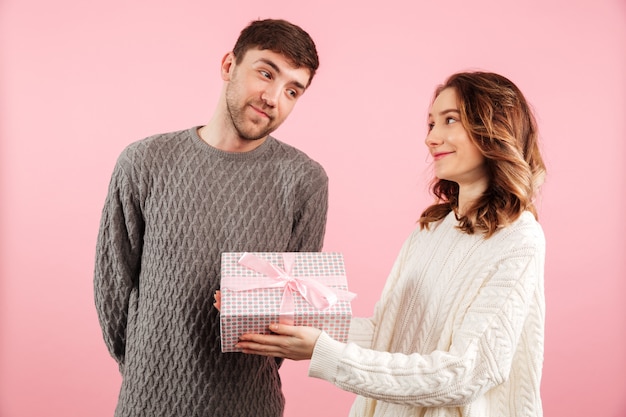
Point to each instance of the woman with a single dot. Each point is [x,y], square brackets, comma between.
[459,327]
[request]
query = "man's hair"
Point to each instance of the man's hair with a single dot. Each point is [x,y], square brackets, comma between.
[281,37]
[500,122]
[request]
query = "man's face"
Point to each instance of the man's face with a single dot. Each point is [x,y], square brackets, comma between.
[261,92]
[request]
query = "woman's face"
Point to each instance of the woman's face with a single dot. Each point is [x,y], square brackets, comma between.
[456,158]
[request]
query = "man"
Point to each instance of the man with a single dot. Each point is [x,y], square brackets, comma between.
[176,202]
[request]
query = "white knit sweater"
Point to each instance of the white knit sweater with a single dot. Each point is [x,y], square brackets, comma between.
[458,330]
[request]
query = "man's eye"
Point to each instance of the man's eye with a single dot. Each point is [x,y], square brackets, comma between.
[292,93]
[266,74]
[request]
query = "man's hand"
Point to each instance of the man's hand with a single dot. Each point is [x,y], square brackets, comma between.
[218,300]
[290,342]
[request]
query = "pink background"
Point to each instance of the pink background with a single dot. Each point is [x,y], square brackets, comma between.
[79,80]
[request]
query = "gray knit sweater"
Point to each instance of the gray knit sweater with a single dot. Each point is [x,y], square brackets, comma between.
[174,205]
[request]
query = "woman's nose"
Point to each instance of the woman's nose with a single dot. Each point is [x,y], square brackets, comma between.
[433,138]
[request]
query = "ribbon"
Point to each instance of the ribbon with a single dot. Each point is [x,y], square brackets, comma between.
[314,292]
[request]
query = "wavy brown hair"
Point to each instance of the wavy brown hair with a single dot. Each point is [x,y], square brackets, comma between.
[282,37]
[500,122]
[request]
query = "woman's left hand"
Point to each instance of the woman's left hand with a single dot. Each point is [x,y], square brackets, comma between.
[290,342]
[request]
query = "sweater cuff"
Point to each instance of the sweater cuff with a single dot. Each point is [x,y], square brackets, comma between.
[325,358]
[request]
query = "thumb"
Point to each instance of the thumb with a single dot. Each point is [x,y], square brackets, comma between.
[282,329]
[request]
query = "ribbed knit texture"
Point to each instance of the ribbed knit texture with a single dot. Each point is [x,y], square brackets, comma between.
[174,205]
[463,318]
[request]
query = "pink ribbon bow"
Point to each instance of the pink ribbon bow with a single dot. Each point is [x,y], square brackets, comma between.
[315,293]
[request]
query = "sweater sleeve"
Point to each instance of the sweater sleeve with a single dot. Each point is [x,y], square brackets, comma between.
[118,258]
[310,218]
[480,355]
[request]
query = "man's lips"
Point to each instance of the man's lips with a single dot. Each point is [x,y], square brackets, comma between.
[260,112]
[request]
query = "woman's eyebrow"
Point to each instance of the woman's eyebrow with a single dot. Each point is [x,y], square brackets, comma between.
[443,112]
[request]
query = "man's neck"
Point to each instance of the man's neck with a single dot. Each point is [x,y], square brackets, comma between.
[225,140]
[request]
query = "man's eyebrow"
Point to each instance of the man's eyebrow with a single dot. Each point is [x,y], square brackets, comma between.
[270,63]
[277,69]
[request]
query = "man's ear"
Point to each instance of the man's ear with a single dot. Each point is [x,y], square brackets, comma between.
[228,64]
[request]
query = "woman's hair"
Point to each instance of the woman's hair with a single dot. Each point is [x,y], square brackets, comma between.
[501,124]
[281,37]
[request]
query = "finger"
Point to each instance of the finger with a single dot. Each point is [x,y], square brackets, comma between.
[260,349]
[283,329]
[217,297]
[278,330]
[262,339]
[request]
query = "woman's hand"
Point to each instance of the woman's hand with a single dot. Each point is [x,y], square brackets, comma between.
[290,342]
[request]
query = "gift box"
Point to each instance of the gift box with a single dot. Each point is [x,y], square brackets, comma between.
[299,288]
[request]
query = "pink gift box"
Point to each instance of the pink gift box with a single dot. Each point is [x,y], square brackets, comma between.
[300,288]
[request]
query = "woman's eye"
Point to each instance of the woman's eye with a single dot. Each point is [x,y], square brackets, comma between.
[430,126]
[450,120]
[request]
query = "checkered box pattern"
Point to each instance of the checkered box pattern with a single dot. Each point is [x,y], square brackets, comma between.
[253,310]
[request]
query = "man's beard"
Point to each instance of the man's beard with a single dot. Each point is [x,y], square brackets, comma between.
[238,119]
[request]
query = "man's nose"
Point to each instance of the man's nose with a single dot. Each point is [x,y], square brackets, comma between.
[270,95]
